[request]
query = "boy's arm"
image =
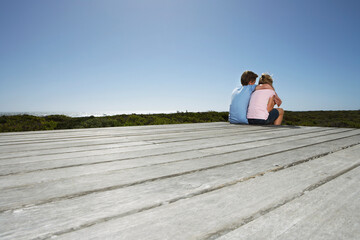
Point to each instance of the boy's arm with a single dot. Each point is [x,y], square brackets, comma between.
[267,86]
[277,100]
[263,86]
[271,103]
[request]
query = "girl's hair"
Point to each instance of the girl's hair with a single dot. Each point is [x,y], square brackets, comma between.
[266,79]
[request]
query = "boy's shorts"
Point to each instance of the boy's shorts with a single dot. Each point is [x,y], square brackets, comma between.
[273,115]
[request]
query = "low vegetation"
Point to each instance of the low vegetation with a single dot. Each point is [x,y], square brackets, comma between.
[346,119]
[16,123]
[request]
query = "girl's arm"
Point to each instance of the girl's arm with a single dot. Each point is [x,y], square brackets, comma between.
[271,103]
[277,100]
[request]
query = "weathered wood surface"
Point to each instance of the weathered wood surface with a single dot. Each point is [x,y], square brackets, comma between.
[189,181]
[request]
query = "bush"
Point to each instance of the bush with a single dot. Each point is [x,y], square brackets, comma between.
[51,122]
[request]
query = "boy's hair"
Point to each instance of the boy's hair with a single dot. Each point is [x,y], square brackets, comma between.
[247,77]
[266,79]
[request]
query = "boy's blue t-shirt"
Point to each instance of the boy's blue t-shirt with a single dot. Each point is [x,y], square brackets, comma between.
[239,104]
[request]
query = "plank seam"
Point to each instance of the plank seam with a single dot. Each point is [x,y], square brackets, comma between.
[163,154]
[131,141]
[76,130]
[146,143]
[115,135]
[79,194]
[241,150]
[260,213]
[89,137]
[226,230]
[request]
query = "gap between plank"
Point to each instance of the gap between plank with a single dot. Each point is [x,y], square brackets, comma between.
[79,194]
[148,140]
[206,148]
[245,221]
[28,141]
[260,213]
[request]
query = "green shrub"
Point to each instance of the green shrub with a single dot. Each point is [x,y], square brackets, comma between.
[33,123]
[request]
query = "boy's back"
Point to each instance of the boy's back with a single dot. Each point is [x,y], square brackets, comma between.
[239,104]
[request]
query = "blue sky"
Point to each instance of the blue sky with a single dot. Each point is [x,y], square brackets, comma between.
[178,55]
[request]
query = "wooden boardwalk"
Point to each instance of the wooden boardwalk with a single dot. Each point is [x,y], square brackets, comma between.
[189,181]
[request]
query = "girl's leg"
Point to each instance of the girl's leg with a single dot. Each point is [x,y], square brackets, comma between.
[280,118]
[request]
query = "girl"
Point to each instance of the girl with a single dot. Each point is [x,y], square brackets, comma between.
[261,109]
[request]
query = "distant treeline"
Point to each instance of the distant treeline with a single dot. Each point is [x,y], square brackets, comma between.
[16,123]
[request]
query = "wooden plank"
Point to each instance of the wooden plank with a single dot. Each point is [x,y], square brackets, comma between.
[104,132]
[147,150]
[34,194]
[24,150]
[122,128]
[138,139]
[12,166]
[222,147]
[331,211]
[112,129]
[73,195]
[116,138]
[193,149]
[58,216]
[52,137]
[229,154]
[207,215]
[60,171]
[142,150]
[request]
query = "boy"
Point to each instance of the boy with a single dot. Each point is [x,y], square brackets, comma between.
[241,96]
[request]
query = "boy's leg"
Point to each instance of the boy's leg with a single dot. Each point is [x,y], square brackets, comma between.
[280,118]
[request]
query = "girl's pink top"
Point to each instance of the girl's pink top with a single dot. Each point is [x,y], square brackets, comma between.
[258,104]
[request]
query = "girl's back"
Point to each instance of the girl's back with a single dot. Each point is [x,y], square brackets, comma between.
[258,104]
